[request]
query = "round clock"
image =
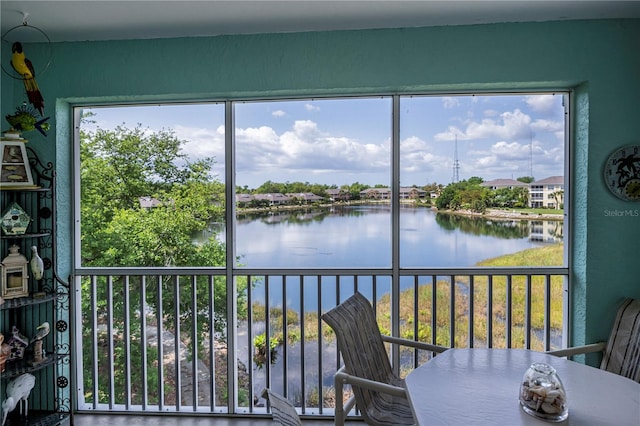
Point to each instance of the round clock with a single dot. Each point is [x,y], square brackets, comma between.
[622,172]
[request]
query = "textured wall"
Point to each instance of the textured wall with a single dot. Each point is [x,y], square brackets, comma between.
[599,59]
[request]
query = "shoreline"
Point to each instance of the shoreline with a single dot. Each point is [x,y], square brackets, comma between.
[489,214]
[505,214]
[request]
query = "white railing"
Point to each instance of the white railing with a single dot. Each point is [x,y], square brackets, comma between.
[156,340]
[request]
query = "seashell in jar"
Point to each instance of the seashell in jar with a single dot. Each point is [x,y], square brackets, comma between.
[551,408]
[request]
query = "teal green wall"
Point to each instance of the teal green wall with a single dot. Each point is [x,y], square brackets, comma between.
[599,59]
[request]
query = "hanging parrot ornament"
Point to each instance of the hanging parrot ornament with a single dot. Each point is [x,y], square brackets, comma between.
[24,67]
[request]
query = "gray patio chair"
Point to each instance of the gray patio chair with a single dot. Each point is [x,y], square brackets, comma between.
[282,410]
[378,393]
[621,353]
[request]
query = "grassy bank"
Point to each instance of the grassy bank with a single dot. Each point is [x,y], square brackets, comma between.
[475,295]
[470,297]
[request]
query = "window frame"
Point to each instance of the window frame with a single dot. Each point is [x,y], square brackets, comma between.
[230,158]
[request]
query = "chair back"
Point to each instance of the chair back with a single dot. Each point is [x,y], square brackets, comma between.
[360,345]
[622,353]
[282,410]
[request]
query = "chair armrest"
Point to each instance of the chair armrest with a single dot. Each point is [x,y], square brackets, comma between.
[578,350]
[369,384]
[414,344]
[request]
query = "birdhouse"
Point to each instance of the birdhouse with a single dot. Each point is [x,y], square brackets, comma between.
[18,344]
[15,280]
[5,351]
[15,220]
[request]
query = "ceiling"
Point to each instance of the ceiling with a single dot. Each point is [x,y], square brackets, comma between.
[112,20]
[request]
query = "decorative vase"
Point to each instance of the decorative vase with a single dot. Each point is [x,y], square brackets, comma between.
[542,393]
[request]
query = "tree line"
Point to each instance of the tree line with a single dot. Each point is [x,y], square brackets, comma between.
[467,194]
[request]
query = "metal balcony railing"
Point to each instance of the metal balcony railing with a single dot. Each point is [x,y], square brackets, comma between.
[158,340]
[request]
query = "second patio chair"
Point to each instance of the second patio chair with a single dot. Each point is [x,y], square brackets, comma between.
[282,410]
[621,353]
[378,393]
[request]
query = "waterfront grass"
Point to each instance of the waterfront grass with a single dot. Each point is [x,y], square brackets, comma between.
[519,300]
[510,297]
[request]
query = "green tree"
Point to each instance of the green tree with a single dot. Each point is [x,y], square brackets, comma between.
[526,179]
[466,194]
[355,189]
[474,180]
[118,167]
[433,187]
[558,197]
[522,195]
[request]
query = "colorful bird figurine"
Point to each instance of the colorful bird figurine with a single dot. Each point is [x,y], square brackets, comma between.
[24,67]
[18,391]
[36,264]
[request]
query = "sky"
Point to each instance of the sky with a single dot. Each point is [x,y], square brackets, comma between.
[347,140]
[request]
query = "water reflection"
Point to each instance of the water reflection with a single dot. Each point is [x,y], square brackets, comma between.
[360,236]
[483,226]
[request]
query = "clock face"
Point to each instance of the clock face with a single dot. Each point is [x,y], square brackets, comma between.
[622,172]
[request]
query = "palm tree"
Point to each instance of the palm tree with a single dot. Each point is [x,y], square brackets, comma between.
[558,196]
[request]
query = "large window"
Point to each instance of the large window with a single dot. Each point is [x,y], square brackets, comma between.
[481,177]
[230,227]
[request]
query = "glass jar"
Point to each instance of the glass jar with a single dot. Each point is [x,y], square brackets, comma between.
[542,393]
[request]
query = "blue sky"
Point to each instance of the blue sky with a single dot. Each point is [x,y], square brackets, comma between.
[341,141]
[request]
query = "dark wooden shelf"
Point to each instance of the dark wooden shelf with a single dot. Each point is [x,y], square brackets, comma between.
[18,368]
[37,418]
[21,302]
[25,189]
[48,398]
[27,235]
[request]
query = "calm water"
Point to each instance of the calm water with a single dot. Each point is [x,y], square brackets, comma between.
[360,236]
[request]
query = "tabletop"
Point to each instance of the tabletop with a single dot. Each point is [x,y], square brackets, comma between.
[481,386]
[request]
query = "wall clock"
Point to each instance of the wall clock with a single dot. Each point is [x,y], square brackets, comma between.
[622,172]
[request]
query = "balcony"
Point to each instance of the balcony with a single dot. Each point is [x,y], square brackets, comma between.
[192,320]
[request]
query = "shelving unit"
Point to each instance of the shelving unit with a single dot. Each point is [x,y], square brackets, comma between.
[49,402]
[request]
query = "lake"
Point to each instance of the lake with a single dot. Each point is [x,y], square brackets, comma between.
[360,236]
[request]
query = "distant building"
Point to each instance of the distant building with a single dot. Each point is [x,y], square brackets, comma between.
[308,197]
[148,202]
[244,198]
[338,194]
[547,192]
[376,193]
[504,183]
[408,192]
[544,193]
[412,193]
[274,199]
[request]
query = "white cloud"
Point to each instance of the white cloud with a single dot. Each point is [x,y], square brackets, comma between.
[541,103]
[413,144]
[302,152]
[279,113]
[450,134]
[415,156]
[310,107]
[201,142]
[547,126]
[508,126]
[450,102]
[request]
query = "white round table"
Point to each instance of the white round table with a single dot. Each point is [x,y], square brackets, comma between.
[481,386]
